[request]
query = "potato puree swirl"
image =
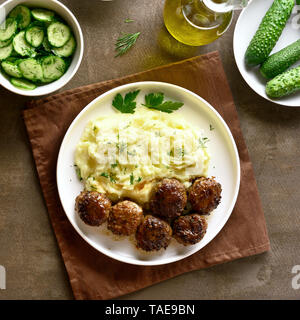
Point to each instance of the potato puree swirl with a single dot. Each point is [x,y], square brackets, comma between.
[124,154]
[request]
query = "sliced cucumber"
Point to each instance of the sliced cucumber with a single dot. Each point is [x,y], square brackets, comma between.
[5,43]
[5,52]
[12,59]
[14,54]
[22,47]
[34,36]
[12,69]
[22,84]
[46,45]
[58,34]
[44,80]
[43,15]
[53,67]
[7,29]
[31,69]
[35,47]
[67,50]
[22,15]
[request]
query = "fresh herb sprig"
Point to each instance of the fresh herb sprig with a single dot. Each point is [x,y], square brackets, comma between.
[131,178]
[125,42]
[203,142]
[156,101]
[78,172]
[128,104]
[111,176]
[128,20]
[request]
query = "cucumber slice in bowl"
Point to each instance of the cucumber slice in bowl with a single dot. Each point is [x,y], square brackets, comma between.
[46,45]
[5,52]
[22,84]
[46,81]
[67,50]
[7,29]
[53,68]
[34,36]
[31,69]
[5,43]
[58,34]
[22,47]
[22,15]
[43,15]
[12,68]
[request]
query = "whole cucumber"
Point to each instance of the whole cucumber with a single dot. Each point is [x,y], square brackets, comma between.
[268,32]
[284,84]
[280,61]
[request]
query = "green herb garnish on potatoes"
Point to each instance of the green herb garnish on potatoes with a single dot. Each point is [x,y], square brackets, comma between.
[284,84]
[280,61]
[268,32]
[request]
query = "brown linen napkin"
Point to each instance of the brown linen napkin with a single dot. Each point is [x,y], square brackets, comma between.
[94,275]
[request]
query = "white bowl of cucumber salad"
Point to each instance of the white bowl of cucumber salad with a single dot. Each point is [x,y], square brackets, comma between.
[41,46]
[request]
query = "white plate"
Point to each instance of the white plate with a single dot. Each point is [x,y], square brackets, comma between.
[224,166]
[246,26]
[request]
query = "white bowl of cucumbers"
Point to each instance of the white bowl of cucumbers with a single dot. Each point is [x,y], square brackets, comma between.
[267,49]
[41,46]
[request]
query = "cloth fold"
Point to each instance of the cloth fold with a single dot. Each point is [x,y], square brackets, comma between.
[95,276]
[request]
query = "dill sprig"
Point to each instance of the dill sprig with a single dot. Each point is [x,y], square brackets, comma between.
[125,42]
[128,20]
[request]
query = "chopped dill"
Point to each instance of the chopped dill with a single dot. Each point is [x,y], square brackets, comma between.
[104,174]
[114,165]
[128,20]
[78,172]
[131,178]
[112,178]
[203,141]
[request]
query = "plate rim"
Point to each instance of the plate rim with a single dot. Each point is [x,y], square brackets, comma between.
[236,157]
[278,102]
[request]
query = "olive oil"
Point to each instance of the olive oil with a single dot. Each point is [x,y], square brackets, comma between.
[192,22]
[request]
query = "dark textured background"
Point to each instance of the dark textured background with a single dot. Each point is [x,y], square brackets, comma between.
[28,248]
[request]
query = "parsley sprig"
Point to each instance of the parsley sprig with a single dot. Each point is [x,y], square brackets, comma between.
[125,42]
[128,104]
[156,101]
[152,101]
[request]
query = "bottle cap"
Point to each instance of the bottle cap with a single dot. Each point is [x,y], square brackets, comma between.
[225,6]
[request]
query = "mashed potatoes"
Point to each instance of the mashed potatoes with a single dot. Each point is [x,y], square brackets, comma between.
[124,154]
